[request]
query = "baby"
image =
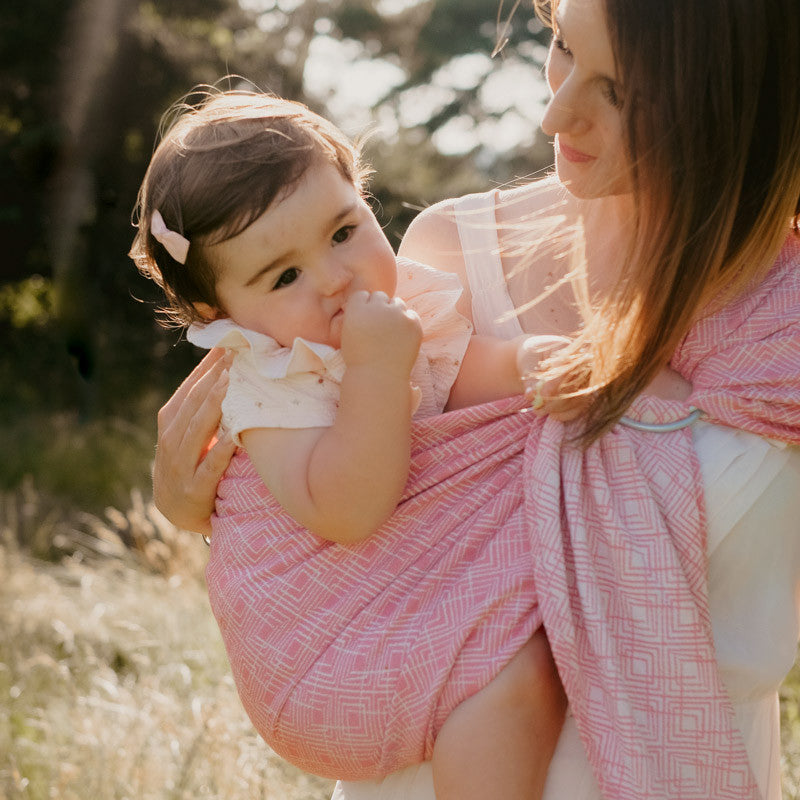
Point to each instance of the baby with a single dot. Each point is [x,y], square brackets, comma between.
[252,219]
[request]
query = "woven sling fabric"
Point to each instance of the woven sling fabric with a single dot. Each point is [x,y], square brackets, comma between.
[349,659]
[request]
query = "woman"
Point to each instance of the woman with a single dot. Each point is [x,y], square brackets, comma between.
[679,202]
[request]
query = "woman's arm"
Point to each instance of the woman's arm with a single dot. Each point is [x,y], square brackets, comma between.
[492,368]
[189,460]
[432,237]
[344,481]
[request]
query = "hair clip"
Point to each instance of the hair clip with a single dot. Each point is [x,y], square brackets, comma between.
[175,244]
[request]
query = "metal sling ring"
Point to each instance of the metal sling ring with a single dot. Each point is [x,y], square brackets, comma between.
[663,427]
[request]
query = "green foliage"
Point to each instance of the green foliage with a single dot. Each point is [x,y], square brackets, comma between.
[81,97]
[28,303]
[790,733]
[89,464]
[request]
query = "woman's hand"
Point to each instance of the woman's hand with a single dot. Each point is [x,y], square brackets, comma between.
[543,395]
[189,460]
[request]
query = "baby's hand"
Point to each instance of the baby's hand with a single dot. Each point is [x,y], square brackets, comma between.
[380,329]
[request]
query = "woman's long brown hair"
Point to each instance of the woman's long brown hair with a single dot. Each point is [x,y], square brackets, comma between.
[711,116]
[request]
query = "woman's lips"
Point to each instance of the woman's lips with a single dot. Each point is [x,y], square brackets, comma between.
[575,156]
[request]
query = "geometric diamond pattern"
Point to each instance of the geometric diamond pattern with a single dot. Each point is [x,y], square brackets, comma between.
[348,659]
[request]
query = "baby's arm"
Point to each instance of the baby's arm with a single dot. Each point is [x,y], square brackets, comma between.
[495,368]
[343,482]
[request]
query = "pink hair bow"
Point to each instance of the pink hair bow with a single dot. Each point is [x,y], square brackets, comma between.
[175,244]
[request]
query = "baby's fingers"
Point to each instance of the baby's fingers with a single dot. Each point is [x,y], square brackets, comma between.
[568,409]
[534,349]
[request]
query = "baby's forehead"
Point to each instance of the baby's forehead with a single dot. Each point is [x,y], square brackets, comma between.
[319,200]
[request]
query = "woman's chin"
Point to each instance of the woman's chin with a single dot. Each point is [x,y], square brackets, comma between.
[580,182]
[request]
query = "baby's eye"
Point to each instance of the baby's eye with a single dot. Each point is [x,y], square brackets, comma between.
[343,234]
[286,277]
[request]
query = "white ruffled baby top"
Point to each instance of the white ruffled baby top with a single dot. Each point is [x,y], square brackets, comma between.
[272,386]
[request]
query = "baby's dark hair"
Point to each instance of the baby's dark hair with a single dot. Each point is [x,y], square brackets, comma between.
[218,167]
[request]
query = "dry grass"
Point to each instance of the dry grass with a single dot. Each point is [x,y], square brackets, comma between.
[790,734]
[113,677]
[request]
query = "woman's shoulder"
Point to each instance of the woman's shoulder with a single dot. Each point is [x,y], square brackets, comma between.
[535,199]
[433,237]
[432,232]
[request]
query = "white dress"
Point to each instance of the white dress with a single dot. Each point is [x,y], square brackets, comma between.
[752,491]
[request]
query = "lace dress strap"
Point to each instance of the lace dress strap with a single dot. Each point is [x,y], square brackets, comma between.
[477,229]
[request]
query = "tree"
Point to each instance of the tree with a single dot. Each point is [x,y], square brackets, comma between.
[80,102]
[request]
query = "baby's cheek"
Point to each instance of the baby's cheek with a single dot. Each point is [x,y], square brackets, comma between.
[389,276]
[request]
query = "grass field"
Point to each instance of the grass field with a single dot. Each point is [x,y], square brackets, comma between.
[114,681]
[115,686]
[790,734]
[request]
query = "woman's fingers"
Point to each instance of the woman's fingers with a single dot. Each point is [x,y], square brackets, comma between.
[188,396]
[211,469]
[189,501]
[189,460]
[199,421]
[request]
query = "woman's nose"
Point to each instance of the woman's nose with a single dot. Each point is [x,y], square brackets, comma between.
[566,112]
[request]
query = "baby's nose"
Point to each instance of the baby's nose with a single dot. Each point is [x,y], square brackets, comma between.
[336,278]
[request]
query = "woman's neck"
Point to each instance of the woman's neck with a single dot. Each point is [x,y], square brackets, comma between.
[607,224]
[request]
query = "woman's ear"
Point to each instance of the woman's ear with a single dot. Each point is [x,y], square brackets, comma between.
[207,312]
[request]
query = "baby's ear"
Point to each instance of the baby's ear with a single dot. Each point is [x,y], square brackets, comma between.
[207,312]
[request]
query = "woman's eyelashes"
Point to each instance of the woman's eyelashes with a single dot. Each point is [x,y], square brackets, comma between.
[611,94]
[609,87]
[561,45]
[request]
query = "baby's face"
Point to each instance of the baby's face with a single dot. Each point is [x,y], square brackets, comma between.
[291,272]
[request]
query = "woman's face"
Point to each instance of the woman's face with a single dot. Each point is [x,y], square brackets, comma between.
[584,113]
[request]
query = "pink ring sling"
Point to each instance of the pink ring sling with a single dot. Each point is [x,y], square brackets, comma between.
[348,660]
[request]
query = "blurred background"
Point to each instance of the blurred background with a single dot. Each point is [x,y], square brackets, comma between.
[113,681]
[83,85]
